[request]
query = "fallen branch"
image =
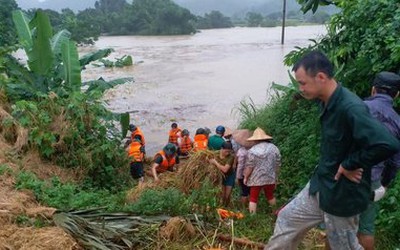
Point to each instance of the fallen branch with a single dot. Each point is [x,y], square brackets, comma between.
[241,241]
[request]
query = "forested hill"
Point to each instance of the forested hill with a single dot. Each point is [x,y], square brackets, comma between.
[227,7]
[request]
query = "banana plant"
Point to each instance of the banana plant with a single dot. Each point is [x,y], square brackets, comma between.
[53,61]
[291,88]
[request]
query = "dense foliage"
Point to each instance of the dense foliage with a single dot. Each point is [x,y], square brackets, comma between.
[149,17]
[362,40]
[140,17]
[65,125]
[213,20]
[8,36]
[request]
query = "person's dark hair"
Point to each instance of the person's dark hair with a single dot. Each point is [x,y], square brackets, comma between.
[315,62]
[132,127]
[174,125]
[138,137]
[200,131]
[169,149]
[391,92]
[227,145]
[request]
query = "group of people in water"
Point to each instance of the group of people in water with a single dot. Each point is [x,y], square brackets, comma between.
[250,159]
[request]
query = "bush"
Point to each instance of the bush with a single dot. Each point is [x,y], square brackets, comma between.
[76,133]
[68,196]
[157,202]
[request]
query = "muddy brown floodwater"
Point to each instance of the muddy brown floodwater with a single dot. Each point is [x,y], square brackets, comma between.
[196,80]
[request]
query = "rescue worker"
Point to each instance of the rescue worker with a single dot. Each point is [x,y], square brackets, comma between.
[174,134]
[136,131]
[165,160]
[185,143]
[200,140]
[215,141]
[136,154]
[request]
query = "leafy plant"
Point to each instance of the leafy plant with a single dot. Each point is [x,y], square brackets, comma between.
[67,196]
[156,202]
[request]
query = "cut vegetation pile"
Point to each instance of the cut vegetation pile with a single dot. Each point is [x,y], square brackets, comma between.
[192,172]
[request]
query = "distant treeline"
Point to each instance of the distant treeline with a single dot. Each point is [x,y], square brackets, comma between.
[152,17]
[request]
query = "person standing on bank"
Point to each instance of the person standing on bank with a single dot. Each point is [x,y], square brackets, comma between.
[136,155]
[215,141]
[262,167]
[352,141]
[240,137]
[224,162]
[137,132]
[385,88]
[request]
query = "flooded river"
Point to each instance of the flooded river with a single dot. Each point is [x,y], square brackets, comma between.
[196,80]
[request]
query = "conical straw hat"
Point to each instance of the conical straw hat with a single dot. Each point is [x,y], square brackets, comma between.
[259,135]
[240,136]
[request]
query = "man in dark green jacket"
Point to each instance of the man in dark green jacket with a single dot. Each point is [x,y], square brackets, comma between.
[352,141]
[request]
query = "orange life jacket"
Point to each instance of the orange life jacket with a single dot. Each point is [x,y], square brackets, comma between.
[135,153]
[186,144]
[173,135]
[166,163]
[200,142]
[138,131]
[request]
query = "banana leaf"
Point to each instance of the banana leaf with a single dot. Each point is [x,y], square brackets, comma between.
[94,56]
[21,23]
[102,85]
[293,86]
[40,58]
[107,63]
[59,39]
[72,69]
[94,229]
[124,61]
[124,120]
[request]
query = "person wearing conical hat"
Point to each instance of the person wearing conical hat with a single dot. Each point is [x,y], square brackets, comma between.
[261,170]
